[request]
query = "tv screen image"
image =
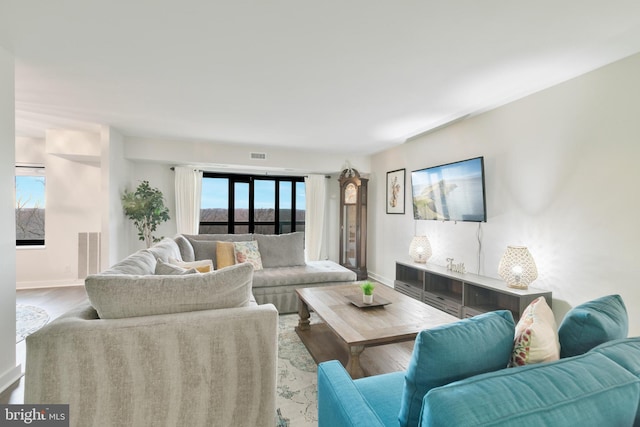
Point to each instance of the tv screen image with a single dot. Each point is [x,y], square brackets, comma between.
[451,192]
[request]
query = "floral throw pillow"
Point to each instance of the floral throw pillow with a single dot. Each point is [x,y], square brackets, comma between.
[248,252]
[536,336]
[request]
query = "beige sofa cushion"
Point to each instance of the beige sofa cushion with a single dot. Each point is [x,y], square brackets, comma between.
[165,249]
[120,296]
[141,263]
[166,269]
[281,250]
[186,250]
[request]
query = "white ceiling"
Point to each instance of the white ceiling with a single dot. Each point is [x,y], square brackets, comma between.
[350,75]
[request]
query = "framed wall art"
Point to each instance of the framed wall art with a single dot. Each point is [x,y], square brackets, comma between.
[395,191]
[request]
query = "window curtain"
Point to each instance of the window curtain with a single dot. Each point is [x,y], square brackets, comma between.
[188,195]
[316,190]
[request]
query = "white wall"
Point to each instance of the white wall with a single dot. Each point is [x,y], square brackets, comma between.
[30,151]
[9,372]
[561,171]
[231,157]
[72,205]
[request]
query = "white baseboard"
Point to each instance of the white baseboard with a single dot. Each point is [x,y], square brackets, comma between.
[49,284]
[10,377]
[381,279]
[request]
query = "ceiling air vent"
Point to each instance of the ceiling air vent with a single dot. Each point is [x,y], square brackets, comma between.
[258,156]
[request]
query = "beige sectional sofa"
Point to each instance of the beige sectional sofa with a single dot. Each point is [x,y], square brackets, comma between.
[157,349]
[283,265]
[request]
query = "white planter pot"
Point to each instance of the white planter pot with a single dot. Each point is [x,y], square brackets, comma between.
[367,299]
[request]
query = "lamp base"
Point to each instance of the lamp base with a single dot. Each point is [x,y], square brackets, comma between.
[420,261]
[517,286]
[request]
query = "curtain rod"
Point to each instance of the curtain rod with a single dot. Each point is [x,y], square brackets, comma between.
[30,166]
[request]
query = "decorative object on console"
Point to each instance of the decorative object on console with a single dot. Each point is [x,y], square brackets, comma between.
[420,249]
[395,191]
[517,267]
[456,268]
[367,292]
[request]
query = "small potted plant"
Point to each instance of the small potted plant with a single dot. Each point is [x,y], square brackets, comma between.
[367,292]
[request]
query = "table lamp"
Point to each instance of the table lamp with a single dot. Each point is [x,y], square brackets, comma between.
[420,249]
[517,267]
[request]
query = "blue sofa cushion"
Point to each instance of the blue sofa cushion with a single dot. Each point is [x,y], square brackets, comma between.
[626,353]
[452,352]
[584,390]
[593,323]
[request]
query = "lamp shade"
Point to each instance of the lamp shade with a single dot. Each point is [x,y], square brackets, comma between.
[517,267]
[420,249]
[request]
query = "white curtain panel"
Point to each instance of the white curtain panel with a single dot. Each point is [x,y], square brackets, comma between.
[316,190]
[188,194]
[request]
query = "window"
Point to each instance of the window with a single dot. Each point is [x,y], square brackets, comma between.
[251,204]
[30,205]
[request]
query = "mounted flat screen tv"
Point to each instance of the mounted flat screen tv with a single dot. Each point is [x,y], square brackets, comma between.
[451,192]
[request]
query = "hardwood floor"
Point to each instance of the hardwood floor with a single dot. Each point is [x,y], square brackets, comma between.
[55,301]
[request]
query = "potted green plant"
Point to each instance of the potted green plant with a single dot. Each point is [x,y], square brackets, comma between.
[367,292]
[145,207]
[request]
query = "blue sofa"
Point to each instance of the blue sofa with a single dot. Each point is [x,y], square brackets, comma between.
[457,376]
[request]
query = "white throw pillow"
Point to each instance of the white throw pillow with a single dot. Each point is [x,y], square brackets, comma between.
[536,336]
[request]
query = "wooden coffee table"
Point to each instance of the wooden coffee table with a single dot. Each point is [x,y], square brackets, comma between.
[359,328]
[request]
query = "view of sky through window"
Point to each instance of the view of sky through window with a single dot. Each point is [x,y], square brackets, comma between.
[30,191]
[215,194]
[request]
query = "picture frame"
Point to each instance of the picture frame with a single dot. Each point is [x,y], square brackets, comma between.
[395,200]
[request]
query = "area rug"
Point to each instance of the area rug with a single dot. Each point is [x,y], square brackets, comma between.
[28,320]
[297,399]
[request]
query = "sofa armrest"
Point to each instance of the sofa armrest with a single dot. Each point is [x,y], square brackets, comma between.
[340,403]
[210,367]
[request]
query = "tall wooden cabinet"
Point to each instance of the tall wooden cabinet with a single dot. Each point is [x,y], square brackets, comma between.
[353,222]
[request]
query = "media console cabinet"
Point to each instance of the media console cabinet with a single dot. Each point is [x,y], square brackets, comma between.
[462,294]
